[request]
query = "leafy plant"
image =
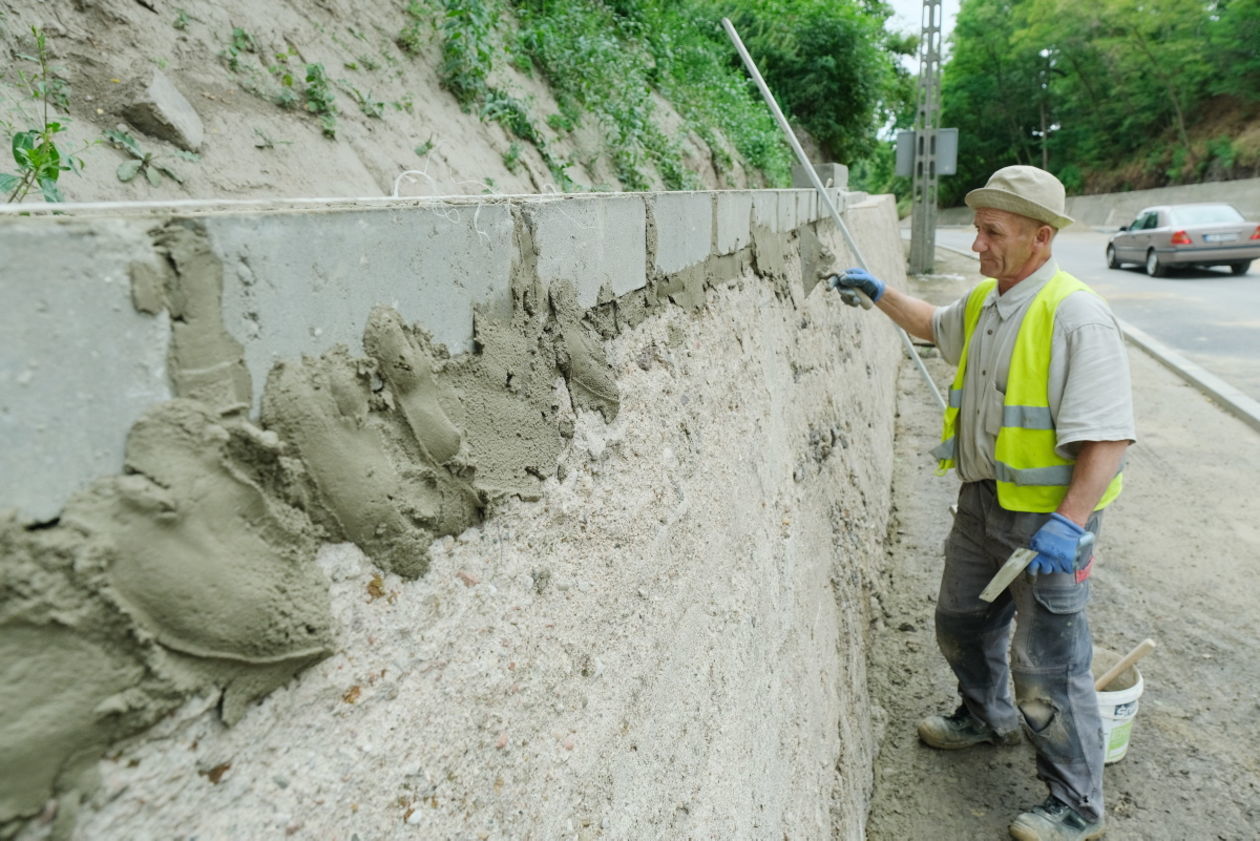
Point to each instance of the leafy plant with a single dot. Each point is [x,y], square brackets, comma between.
[319,99]
[467,49]
[39,160]
[467,29]
[1221,150]
[242,42]
[561,123]
[512,157]
[411,39]
[143,163]
[373,108]
[182,19]
[425,148]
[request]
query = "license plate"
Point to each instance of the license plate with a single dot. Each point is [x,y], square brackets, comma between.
[1219,237]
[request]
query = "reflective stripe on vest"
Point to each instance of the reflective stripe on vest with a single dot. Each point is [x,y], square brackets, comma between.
[1031,476]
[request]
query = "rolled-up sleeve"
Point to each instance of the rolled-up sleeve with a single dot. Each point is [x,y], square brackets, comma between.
[1091,394]
[948,329]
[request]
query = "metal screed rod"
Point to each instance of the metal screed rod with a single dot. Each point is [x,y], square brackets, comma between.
[822,192]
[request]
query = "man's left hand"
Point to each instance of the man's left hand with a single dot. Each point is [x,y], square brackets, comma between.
[1058,545]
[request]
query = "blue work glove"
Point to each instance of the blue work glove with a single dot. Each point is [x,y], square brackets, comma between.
[1058,544]
[852,279]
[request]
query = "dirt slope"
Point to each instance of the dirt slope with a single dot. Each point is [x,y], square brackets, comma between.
[229,60]
[1175,564]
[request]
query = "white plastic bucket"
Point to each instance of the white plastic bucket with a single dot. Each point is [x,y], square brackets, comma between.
[1117,703]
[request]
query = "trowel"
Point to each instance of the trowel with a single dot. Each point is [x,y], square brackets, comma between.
[1015,564]
[1019,561]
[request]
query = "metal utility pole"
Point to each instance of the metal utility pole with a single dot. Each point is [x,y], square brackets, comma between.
[927,121]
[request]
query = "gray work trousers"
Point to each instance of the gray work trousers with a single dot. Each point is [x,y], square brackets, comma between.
[1050,652]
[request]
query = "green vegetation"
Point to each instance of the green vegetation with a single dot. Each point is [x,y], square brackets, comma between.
[144,163]
[40,161]
[512,157]
[833,65]
[182,19]
[411,39]
[1107,95]
[279,85]
[611,61]
[242,42]
[319,99]
[468,31]
[370,106]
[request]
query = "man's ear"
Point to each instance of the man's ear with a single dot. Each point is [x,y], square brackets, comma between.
[1045,234]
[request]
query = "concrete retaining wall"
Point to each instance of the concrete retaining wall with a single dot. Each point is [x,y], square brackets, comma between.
[1111,210]
[538,517]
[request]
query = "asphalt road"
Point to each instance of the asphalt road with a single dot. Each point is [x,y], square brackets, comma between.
[1210,316]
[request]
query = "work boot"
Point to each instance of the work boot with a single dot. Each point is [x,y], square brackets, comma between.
[961,729]
[1054,820]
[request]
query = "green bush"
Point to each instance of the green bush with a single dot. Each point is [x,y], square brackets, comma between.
[830,61]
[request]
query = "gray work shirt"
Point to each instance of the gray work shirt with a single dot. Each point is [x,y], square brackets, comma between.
[1090,395]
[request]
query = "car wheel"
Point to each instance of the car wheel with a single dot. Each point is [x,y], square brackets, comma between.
[1112,262]
[1154,268]
[1240,268]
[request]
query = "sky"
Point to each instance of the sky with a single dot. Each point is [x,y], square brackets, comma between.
[908,17]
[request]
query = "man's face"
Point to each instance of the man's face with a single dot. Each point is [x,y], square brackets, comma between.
[1006,243]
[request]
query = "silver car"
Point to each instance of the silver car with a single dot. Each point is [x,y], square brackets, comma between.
[1175,235]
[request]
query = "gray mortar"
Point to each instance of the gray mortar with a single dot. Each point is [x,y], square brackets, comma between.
[191,575]
[203,548]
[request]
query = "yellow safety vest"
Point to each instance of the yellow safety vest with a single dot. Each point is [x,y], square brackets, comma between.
[1031,476]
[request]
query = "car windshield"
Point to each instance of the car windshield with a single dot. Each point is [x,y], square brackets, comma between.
[1204,214]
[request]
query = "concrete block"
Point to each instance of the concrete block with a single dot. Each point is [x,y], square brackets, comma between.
[684,230]
[732,219]
[79,364]
[299,283]
[160,110]
[789,211]
[591,241]
[835,176]
[765,212]
[806,207]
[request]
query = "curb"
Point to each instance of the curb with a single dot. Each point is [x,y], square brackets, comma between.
[1225,395]
[1222,393]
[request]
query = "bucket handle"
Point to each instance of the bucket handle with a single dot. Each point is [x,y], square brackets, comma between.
[1139,651]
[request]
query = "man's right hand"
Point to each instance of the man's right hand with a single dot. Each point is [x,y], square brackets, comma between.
[856,279]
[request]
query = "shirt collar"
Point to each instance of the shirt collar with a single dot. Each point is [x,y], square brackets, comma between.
[1019,295]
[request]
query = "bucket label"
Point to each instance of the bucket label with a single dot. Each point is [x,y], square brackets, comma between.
[1119,741]
[1124,710]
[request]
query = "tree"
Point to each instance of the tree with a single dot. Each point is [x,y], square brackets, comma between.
[1234,36]
[832,65]
[990,90]
[1086,87]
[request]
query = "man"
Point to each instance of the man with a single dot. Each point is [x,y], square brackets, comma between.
[1040,414]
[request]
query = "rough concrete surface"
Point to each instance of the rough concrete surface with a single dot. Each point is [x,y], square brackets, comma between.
[1173,564]
[667,641]
[727,432]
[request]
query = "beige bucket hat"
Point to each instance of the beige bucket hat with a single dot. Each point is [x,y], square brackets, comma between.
[1025,190]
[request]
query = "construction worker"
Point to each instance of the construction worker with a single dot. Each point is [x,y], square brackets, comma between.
[1040,414]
